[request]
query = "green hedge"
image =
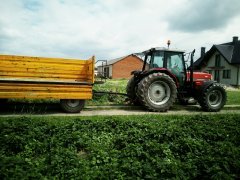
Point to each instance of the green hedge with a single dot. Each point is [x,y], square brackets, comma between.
[125,147]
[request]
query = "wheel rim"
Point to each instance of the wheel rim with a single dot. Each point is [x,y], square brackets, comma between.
[159,92]
[73,102]
[215,98]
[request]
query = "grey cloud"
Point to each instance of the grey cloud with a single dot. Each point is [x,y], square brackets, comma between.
[196,15]
[32,5]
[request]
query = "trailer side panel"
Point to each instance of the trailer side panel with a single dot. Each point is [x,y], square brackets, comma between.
[36,77]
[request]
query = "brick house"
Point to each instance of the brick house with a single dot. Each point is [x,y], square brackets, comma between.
[121,67]
[222,61]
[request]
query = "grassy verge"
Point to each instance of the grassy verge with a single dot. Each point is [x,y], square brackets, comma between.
[233,97]
[121,147]
[118,86]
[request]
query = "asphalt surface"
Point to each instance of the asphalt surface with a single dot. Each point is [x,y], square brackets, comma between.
[53,109]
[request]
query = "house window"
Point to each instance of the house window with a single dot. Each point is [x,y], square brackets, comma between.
[217,75]
[226,74]
[217,60]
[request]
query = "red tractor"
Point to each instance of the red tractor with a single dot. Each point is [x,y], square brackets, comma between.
[165,78]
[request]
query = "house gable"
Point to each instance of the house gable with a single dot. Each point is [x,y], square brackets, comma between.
[121,67]
[223,62]
[230,51]
[124,67]
[224,67]
[226,51]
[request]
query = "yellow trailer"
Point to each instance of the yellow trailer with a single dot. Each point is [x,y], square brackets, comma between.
[70,80]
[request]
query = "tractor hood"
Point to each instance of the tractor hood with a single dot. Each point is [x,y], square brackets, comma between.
[199,76]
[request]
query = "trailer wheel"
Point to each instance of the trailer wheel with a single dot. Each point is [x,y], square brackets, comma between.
[72,105]
[131,91]
[157,92]
[213,98]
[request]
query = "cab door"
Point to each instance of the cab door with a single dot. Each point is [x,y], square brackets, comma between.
[175,64]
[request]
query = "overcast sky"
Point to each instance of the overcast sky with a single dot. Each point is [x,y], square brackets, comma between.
[113,28]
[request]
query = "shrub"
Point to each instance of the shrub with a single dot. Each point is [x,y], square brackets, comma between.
[138,147]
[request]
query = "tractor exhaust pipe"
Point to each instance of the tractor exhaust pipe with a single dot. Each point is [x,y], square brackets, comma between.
[191,69]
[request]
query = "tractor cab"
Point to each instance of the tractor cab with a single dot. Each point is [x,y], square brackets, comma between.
[170,60]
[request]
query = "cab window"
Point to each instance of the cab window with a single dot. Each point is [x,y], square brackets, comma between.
[157,60]
[175,61]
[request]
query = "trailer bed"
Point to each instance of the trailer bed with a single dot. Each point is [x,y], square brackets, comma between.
[43,78]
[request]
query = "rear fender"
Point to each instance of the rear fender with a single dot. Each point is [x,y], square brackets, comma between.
[206,84]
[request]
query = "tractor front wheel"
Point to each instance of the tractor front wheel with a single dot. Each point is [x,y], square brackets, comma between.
[213,98]
[157,92]
[72,105]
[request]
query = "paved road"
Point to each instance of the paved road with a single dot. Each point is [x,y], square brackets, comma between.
[53,109]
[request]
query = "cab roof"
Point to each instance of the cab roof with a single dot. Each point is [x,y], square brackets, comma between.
[158,49]
[163,49]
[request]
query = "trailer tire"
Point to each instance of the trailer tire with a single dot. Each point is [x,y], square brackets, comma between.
[72,105]
[213,99]
[131,91]
[157,92]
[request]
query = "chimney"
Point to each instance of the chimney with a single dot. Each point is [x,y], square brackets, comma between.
[235,39]
[203,51]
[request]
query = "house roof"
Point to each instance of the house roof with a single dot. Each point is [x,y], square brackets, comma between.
[226,51]
[230,51]
[236,52]
[113,61]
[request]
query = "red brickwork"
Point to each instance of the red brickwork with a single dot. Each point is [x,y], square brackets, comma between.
[124,67]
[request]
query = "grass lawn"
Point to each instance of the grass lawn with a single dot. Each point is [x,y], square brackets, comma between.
[233,97]
[120,147]
[112,85]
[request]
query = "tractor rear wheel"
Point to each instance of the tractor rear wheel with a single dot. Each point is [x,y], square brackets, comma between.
[157,92]
[131,91]
[72,105]
[213,98]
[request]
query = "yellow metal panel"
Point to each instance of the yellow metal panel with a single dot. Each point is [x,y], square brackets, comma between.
[91,69]
[26,64]
[46,89]
[16,85]
[45,69]
[7,66]
[44,75]
[8,90]
[42,59]
[41,95]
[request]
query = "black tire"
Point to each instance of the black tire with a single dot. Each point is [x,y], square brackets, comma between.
[213,99]
[157,92]
[131,91]
[72,105]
